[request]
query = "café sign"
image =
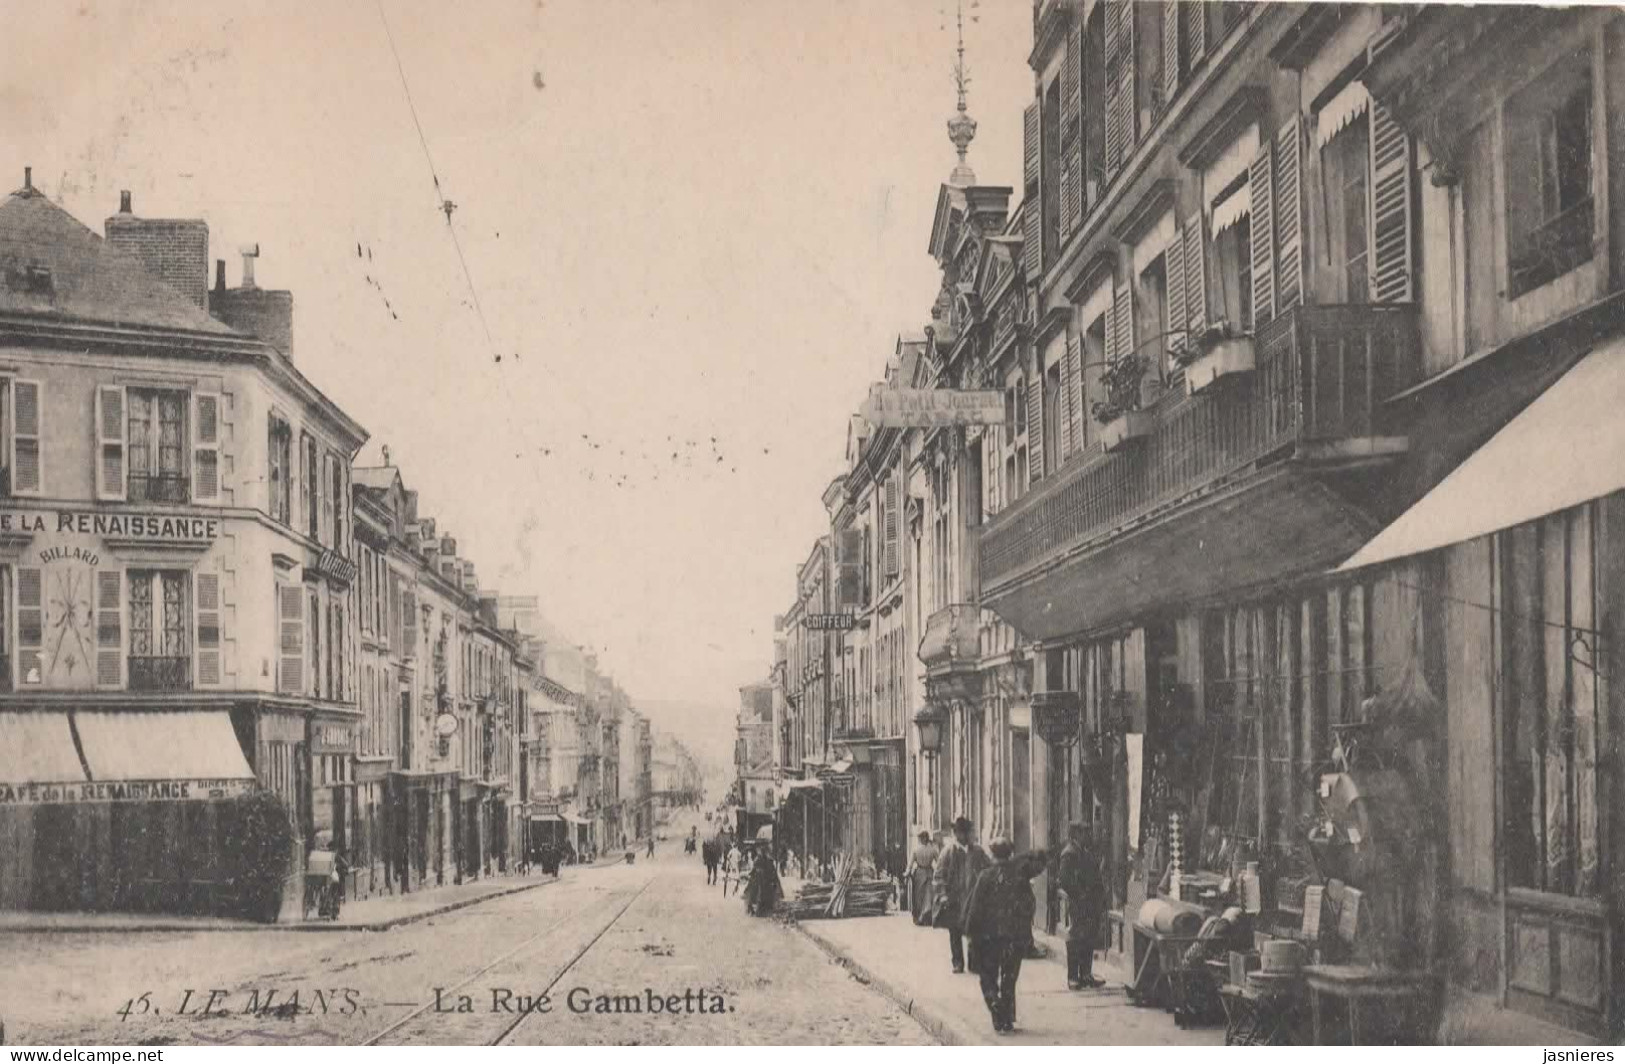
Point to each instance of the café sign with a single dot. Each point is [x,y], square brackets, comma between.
[932,408]
[186,528]
[182,790]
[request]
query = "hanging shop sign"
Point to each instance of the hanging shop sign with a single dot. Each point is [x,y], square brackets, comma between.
[163,528]
[829,622]
[932,408]
[187,790]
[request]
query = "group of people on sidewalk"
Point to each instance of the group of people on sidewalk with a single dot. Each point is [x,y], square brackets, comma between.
[752,871]
[985,901]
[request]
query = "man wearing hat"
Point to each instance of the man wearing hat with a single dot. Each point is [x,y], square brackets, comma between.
[1079,878]
[999,921]
[952,877]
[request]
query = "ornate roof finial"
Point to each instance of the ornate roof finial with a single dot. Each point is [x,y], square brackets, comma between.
[961,126]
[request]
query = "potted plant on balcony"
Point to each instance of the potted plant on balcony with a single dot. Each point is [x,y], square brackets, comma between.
[1218,352]
[1121,419]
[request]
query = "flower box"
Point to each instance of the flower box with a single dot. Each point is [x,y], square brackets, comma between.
[1125,428]
[1229,357]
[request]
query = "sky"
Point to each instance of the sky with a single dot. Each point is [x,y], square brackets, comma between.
[694,230]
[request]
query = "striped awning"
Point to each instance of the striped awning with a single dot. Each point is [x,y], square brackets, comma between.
[1340,111]
[1230,164]
[38,748]
[1233,208]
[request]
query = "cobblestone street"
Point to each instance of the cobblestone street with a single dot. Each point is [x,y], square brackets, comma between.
[600,938]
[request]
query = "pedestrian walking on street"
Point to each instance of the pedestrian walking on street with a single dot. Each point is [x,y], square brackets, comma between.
[999,923]
[764,889]
[651,846]
[1080,880]
[919,879]
[731,869]
[711,854]
[951,880]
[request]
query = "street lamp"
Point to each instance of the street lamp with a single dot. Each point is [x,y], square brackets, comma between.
[929,721]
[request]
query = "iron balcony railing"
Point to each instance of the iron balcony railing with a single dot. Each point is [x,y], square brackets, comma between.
[160,674]
[1322,373]
[159,487]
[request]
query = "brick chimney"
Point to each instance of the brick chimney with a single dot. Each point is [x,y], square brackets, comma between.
[262,312]
[175,250]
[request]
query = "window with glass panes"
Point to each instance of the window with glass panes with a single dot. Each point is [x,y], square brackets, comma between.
[160,629]
[157,445]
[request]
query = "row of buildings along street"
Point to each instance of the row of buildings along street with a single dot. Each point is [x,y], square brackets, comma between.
[204,595]
[1305,334]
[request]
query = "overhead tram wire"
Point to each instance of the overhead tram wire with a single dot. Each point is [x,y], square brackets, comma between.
[442,202]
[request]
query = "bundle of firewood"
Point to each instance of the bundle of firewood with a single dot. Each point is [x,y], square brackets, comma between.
[847,896]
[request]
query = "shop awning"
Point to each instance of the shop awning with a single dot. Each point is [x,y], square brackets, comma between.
[1233,208]
[38,748]
[1564,449]
[545,818]
[161,745]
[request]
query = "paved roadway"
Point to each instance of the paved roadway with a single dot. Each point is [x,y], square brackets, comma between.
[566,963]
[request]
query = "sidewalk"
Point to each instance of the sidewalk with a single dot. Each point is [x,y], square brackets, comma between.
[910,965]
[372,914]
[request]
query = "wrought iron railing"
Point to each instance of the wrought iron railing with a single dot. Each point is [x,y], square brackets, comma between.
[160,673]
[1322,373]
[159,487]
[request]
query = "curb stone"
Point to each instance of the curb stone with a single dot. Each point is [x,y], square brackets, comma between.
[247,926]
[936,1026]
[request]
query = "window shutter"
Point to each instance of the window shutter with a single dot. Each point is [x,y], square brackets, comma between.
[1123,318]
[1261,190]
[291,622]
[1035,425]
[208,628]
[1072,392]
[1120,109]
[26,475]
[324,488]
[1032,250]
[893,505]
[1170,49]
[1195,30]
[1288,218]
[112,431]
[205,447]
[109,627]
[1173,265]
[409,623]
[30,625]
[1071,123]
[1195,275]
[1392,272]
[1111,331]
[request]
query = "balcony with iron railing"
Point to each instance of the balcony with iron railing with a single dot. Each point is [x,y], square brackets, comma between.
[160,673]
[159,487]
[1321,376]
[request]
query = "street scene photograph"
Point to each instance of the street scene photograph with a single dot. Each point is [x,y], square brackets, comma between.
[717,523]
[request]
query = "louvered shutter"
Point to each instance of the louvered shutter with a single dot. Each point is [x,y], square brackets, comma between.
[1071,121]
[109,627]
[1392,273]
[1261,190]
[1121,112]
[324,489]
[1195,234]
[1063,205]
[1195,30]
[1123,318]
[893,523]
[409,623]
[26,475]
[1034,394]
[1288,217]
[1170,49]
[1032,243]
[30,625]
[1072,393]
[1111,351]
[205,447]
[291,625]
[1173,265]
[112,432]
[208,629]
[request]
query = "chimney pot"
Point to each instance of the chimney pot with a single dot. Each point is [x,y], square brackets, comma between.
[124,202]
[28,177]
[250,252]
[219,275]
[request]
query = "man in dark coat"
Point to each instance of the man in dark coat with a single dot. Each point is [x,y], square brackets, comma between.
[999,922]
[1079,879]
[951,881]
[711,853]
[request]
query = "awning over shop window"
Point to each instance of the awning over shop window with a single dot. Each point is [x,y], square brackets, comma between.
[572,818]
[1565,449]
[163,745]
[38,748]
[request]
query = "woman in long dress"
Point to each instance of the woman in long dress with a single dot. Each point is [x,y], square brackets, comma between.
[919,879]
